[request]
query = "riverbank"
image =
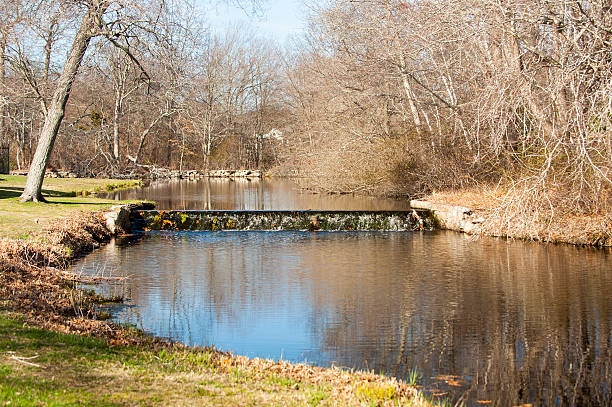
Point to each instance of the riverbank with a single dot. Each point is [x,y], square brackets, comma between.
[500,211]
[42,367]
[494,215]
[59,349]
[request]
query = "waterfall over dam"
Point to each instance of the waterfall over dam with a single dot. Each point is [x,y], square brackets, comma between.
[211,220]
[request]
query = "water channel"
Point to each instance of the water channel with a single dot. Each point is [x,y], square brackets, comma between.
[514,323]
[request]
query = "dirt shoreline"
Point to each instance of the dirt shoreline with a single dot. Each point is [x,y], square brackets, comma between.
[39,288]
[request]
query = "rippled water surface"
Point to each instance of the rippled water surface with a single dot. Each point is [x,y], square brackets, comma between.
[511,322]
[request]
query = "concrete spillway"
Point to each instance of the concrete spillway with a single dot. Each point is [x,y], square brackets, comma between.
[145,220]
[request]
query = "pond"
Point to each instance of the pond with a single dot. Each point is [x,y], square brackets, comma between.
[479,320]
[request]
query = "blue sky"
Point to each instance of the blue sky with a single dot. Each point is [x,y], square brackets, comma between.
[279,20]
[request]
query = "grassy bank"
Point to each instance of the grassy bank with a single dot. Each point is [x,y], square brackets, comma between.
[66,197]
[58,349]
[41,367]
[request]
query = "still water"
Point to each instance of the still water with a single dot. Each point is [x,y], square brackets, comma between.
[511,322]
[249,194]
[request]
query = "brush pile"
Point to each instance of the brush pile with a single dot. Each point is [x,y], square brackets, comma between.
[36,285]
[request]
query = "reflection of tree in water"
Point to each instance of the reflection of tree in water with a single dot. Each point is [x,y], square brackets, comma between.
[522,323]
[248,194]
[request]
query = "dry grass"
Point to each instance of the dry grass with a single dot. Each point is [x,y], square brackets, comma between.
[483,200]
[507,216]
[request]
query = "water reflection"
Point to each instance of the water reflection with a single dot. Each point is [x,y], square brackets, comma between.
[249,194]
[515,322]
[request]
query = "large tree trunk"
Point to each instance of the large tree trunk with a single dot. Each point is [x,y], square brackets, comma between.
[116,119]
[57,108]
[3,131]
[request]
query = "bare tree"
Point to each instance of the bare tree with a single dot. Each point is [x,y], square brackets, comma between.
[90,26]
[441,94]
[113,20]
[11,14]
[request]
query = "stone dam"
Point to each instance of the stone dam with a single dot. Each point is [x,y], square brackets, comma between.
[212,220]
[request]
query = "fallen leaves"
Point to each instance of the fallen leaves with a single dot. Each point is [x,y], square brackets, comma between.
[455,381]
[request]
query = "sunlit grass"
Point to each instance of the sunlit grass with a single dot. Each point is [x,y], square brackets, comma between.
[39,367]
[65,196]
[414,377]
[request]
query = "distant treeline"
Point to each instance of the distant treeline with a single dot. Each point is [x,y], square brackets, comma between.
[163,89]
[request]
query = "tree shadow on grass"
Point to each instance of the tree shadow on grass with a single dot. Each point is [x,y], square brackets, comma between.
[9,192]
[68,355]
[14,192]
[79,203]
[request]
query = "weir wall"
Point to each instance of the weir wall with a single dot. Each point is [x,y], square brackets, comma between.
[283,220]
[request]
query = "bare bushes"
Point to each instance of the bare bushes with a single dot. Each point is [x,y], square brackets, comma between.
[363,167]
[42,293]
[410,97]
[562,156]
[64,240]
[79,234]
[539,209]
[392,167]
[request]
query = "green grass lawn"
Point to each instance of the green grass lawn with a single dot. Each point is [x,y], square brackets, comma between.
[65,196]
[39,367]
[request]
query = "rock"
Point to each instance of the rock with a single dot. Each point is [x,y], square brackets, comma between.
[233,173]
[415,216]
[314,223]
[118,220]
[451,217]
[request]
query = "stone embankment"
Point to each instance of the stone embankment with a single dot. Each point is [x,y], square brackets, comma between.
[154,173]
[451,217]
[234,174]
[161,173]
[119,218]
[55,174]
